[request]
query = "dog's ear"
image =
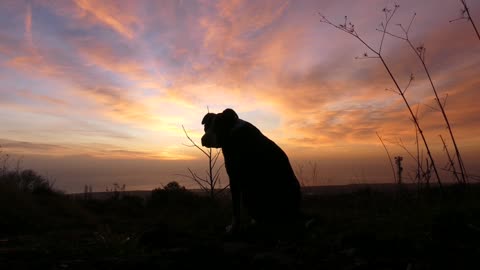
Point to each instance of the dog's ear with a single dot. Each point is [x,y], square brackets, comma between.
[207,118]
[230,116]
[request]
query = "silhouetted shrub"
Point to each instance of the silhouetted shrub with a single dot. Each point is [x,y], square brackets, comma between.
[28,203]
[174,186]
[172,195]
[27,181]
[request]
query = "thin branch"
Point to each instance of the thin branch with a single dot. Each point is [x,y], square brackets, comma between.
[217,174]
[419,158]
[365,56]
[389,157]
[347,28]
[474,177]
[445,101]
[466,16]
[194,144]
[390,34]
[388,16]
[409,82]
[431,107]
[470,176]
[402,145]
[410,24]
[450,160]
[470,17]
[215,158]
[194,178]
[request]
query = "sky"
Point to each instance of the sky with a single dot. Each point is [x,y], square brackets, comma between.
[96,92]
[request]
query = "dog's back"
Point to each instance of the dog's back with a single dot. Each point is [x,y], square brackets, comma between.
[270,190]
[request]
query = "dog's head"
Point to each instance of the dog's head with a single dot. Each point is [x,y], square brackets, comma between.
[217,127]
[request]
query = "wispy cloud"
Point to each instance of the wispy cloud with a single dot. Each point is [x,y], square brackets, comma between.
[93,150]
[44,99]
[29,147]
[28,25]
[111,15]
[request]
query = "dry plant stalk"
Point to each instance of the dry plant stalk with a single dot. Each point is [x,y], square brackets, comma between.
[349,28]
[420,52]
[299,172]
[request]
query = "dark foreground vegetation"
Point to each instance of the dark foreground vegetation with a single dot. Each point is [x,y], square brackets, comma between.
[41,228]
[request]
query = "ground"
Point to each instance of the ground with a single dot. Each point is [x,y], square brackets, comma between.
[176,229]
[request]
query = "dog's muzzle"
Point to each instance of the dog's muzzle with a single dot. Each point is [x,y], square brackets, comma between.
[210,140]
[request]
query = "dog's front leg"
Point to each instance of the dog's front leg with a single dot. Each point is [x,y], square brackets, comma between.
[233,227]
[236,206]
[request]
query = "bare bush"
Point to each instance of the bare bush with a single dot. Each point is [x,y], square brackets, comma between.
[211,181]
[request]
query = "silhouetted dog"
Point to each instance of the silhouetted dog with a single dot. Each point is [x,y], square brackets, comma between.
[261,177]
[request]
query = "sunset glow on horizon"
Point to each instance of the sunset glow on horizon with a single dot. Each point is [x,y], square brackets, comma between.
[97,92]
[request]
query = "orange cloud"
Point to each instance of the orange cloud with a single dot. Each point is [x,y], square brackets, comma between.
[110,14]
[28,25]
[126,65]
[234,38]
[118,106]
[93,149]
[51,101]
[112,102]
[35,64]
